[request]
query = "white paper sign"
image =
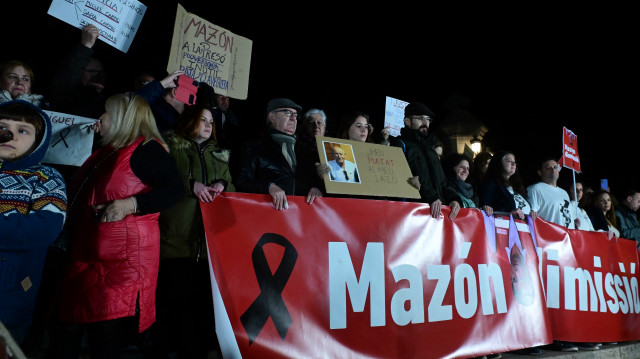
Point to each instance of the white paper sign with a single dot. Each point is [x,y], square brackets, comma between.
[394,115]
[71,139]
[117,20]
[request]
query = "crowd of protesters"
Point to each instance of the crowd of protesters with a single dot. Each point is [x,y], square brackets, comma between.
[121,238]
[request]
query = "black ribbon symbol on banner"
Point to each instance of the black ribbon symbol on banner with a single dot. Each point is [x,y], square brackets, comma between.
[270,303]
[63,134]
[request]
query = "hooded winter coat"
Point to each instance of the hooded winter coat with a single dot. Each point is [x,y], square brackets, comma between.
[33,205]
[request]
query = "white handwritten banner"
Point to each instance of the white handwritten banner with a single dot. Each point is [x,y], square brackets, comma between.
[71,139]
[210,54]
[394,115]
[117,20]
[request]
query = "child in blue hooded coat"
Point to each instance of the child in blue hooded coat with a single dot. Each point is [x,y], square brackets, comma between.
[33,204]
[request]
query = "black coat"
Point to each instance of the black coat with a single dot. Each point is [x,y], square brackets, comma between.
[496,196]
[262,163]
[66,92]
[425,163]
[598,219]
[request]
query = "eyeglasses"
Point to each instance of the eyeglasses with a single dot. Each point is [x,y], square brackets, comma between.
[422,118]
[288,113]
[346,176]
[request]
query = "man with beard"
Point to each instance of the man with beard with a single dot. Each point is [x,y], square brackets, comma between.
[423,160]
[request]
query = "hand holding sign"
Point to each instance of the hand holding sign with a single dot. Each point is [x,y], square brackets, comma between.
[116,21]
[89,36]
[170,81]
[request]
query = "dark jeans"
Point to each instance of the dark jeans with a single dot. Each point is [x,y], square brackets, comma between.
[52,275]
[184,311]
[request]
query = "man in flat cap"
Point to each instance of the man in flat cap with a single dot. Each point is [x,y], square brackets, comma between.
[423,160]
[269,165]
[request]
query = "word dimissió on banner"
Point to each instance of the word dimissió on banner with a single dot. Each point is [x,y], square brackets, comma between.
[622,291]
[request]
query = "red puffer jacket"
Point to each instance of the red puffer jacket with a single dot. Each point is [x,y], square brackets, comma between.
[114,265]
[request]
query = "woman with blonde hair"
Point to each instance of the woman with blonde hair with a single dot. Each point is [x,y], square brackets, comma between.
[109,286]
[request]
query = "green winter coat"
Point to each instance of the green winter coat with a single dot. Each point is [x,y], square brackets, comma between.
[181,227]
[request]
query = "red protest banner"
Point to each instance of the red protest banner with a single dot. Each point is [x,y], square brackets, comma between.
[379,279]
[317,280]
[570,157]
[589,279]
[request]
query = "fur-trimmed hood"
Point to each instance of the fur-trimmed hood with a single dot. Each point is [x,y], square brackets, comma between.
[179,143]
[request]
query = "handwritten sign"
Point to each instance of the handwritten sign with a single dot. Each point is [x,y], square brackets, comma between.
[71,139]
[117,20]
[210,54]
[570,157]
[369,169]
[394,115]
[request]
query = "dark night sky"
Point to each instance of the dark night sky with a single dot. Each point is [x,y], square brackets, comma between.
[524,72]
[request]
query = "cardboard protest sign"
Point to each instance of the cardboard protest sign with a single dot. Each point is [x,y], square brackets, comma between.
[210,54]
[570,157]
[362,168]
[118,20]
[71,139]
[394,115]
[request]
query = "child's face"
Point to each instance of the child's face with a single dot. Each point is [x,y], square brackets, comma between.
[24,135]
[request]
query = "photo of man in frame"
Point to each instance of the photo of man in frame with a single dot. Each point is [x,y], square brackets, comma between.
[342,169]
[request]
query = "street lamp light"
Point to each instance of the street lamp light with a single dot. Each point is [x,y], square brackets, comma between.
[476,145]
